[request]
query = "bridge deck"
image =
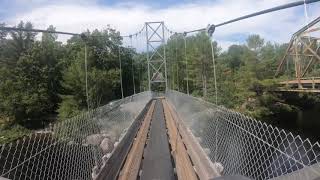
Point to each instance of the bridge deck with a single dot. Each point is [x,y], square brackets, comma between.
[157,163]
[302,81]
[161,149]
[302,85]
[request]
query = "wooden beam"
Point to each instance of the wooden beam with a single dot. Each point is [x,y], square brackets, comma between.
[309,64]
[300,90]
[110,170]
[308,46]
[295,54]
[311,50]
[184,166]
[131,167]
[203,165]
[284,57]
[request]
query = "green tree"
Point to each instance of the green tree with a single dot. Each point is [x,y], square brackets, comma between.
[3,34]
[103,71]
[23,90]
[255,42]
[22,40]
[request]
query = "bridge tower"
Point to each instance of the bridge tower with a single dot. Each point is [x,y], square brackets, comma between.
[156,55]
[302,52]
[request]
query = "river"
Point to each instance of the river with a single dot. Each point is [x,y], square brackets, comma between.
[304,122]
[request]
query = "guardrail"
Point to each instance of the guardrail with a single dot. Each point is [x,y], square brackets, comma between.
[245,146]
[75,148]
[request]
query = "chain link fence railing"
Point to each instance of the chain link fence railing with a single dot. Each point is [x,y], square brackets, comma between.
[245,146]
[71,149]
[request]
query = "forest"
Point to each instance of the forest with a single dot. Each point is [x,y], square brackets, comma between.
[43,80]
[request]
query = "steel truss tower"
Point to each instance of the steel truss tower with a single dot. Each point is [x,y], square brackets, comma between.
[303,50]
[156,54]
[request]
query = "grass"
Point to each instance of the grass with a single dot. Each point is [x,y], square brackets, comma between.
[9,134]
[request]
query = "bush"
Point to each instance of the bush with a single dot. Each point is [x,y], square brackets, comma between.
[11,133]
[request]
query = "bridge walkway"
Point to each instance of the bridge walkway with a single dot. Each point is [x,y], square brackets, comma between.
[157,162]
[158,150]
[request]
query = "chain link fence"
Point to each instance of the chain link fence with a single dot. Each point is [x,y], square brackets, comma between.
[72,149]
[245,146]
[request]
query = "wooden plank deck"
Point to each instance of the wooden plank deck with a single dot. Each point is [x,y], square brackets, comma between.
[131,167]
[302,81]
[157,163]
[164,149]
[183,163]
[203,165]
[311,85]
[111,169]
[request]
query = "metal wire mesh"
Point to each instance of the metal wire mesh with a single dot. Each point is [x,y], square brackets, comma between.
[72,149]
[245,146]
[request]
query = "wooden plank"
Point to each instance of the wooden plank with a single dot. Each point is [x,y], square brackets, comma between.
[310,81]
[300,90]
[157,162]
[203,165]
[131,167]
[184,166]
[113,165]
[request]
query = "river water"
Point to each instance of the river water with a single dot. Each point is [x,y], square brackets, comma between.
[305,122]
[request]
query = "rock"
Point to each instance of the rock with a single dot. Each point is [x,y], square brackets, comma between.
[106,145]
[94,139]
[219,167]
[108,134]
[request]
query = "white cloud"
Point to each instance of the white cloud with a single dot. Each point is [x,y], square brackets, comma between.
[128,18]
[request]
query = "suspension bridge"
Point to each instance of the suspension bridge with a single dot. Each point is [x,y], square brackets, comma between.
[165,134]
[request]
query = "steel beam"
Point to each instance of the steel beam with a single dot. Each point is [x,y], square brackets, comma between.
[157,66]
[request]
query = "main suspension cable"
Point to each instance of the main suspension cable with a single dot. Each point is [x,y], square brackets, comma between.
[3,28]
[277,8]
[38,30]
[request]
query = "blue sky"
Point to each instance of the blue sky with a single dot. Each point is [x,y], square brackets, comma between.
[180,15]
[10,7]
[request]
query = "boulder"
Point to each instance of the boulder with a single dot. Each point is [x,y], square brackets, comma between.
[94,139]
[218,166]
[106,145]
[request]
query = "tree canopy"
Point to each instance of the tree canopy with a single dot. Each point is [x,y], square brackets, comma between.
[43,80]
